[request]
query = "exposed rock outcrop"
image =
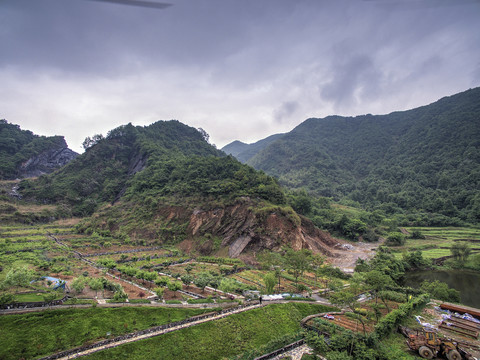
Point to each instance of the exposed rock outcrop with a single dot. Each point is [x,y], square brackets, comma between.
[243,228]
[47,161]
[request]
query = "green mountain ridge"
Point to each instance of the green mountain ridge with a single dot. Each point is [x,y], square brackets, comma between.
[24,154]
[422,160]
[244,152]
[165,182]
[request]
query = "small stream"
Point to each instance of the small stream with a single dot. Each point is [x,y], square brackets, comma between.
[465,281]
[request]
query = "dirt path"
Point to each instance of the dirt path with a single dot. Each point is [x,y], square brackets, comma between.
[351,252]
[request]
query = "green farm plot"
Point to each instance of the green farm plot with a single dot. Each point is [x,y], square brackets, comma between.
[46,332]
[429,254]
[219,339]
[196,268]
[33,297]
[130,257]
[438,241]
[287,281]
[448,233]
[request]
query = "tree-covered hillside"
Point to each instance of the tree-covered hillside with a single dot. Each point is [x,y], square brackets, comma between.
[166,159]
[425,160]
[244,152]
[17,146]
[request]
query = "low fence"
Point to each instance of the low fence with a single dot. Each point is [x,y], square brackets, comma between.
[26,305]
[281,350]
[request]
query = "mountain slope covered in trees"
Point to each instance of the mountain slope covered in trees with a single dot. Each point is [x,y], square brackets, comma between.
[165,181]
[425,160]
[24,154]
[244,152]
[166,158]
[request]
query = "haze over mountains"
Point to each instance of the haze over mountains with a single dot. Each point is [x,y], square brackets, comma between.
[426,159]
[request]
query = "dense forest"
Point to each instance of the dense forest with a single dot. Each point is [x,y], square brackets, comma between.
[245,152]
[166,160]
[17,146]
[422,164]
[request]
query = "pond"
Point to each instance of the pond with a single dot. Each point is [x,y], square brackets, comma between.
[467,282]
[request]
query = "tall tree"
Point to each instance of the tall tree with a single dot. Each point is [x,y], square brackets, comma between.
[298,262]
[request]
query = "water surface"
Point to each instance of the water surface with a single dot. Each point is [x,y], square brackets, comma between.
[467,282]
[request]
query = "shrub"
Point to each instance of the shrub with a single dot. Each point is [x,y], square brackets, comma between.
[173,302]
[395,239]
[393,318]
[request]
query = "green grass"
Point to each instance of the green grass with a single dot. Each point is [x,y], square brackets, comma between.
[437,238]
[32,297]
[38,334]
[219,339]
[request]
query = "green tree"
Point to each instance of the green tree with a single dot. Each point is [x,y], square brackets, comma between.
[316,342]
[120,296]
[186,279]
[272,260]
[378,281]
[162,281]
[6,298]
[95,284]
[78,284]
[417,234]
[49,297]
[150,276]
[215,282]
[461,251]
[395,239]
[174,286]
[201,281]
[270,281]
[344,298]
[298,262]
[159,291]
[317,262]
[189,268]
[440,291]
[18,276]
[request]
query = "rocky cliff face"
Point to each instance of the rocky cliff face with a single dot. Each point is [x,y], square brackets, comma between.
[47,161]
[245,229]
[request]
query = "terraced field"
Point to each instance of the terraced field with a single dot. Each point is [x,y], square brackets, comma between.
[438,241]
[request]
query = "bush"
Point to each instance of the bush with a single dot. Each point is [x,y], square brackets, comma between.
[139,301]
[440,291]
[393,296]
[199,301]
[395,239]
[417,234]
[393,318]
[173,302]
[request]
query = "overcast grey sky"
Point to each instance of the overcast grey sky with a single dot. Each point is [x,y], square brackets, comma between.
[240,69]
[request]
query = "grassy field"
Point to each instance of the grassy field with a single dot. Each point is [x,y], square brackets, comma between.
[438,241]
[219,339]
[27,336]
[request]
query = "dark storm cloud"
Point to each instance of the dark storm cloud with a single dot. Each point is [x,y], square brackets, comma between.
[353,78]
[139,3]
[102,38]
[237,69]
[285,111]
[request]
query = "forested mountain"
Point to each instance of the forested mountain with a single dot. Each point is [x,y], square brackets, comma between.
[166,158]
[24,154]
[244,152]
[422,160]
[164,181]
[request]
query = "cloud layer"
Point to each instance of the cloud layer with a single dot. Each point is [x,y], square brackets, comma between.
[239,69]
